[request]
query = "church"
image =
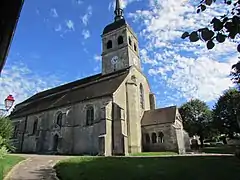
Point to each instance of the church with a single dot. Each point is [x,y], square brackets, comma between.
[107,114]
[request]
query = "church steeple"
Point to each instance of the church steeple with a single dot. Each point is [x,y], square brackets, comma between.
[118,11]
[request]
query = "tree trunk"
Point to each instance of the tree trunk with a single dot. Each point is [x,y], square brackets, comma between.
[201,140]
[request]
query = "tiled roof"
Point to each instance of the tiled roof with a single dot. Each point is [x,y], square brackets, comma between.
[84,89]
[159,116]
[115,25]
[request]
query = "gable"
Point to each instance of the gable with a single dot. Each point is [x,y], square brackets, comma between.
[159,116]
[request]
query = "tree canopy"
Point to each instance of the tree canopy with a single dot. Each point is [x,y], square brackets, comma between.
[197,118]
[227,26]
[226,113]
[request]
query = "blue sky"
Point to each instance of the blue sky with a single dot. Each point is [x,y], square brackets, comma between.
[58,41]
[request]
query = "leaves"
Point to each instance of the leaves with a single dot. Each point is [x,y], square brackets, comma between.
[206,34]
[226,112]
[194,36]
[221,37]
[208,2]
[185,35]
[210,44]
[196,116]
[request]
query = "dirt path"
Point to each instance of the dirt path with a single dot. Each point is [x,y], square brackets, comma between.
[35,167]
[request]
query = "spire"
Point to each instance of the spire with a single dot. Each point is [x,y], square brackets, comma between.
[118,11]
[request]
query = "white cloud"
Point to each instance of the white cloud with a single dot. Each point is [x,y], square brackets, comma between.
[21,82]
[78,2]
[124,4]
[58,28]
[70,25]
[86,34]
[184,70]
[53,13]
[86,17]
[97,58]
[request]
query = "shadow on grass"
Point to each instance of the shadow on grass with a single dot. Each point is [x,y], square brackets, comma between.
[220,149]
[135,168]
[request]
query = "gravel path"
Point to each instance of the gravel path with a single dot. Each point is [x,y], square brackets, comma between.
[35,167]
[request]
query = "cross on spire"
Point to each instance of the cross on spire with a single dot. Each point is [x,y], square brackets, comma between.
[118,11]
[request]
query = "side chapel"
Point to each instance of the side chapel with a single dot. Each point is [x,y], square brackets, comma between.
[111,113]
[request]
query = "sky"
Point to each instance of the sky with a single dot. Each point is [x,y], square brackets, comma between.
[59,41]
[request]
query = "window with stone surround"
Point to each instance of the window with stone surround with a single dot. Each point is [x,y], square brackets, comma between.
[135,47]
[160,137]
[142,96]
[120,40]
[109,44]
[90,116]
[59,119]
[35,127]
[154,138]
[130,41]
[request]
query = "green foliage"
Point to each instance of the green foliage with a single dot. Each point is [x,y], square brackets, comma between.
[219,29]
[197,118]
[6,132]
[236,72]
[226,112]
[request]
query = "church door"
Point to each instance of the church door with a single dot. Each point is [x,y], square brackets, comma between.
[55,142]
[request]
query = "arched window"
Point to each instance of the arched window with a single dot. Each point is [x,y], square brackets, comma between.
[109,44]
[120,40]
[35,125]
[59,119]
[90,116]
[135,47]
[130,41]
[141,96]
[160,137]
[147,138]
[154,138]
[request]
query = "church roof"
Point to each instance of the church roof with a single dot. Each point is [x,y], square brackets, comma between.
[159,116]
[84,89]
[115,25]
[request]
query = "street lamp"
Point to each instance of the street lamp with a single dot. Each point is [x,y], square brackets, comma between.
[8,103]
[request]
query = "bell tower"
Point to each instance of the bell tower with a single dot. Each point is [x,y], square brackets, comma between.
[119,44]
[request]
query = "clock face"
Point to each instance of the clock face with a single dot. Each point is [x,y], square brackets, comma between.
[114,60]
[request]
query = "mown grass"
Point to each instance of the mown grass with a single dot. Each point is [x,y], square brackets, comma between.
[7,163]
[150,168]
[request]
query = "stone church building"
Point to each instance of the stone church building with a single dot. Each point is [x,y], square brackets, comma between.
[111,113]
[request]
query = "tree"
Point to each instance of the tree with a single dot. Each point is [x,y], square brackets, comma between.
[219,29]
[197,118]
[6,132]
[226,113]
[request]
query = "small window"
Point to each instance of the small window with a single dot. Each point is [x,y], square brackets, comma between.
[35,125]
[120,40]
[59,119]
[90,116]
[135,47]
[109,44]
[130,41]
[154,138]
[160,137]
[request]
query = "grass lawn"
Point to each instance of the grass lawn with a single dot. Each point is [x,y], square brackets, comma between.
[149,168]
[220,149]
[154,154]
[7,164]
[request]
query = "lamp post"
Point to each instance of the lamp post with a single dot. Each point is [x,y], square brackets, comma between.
[8,103]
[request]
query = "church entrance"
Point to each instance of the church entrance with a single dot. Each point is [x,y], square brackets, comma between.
[55,143]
